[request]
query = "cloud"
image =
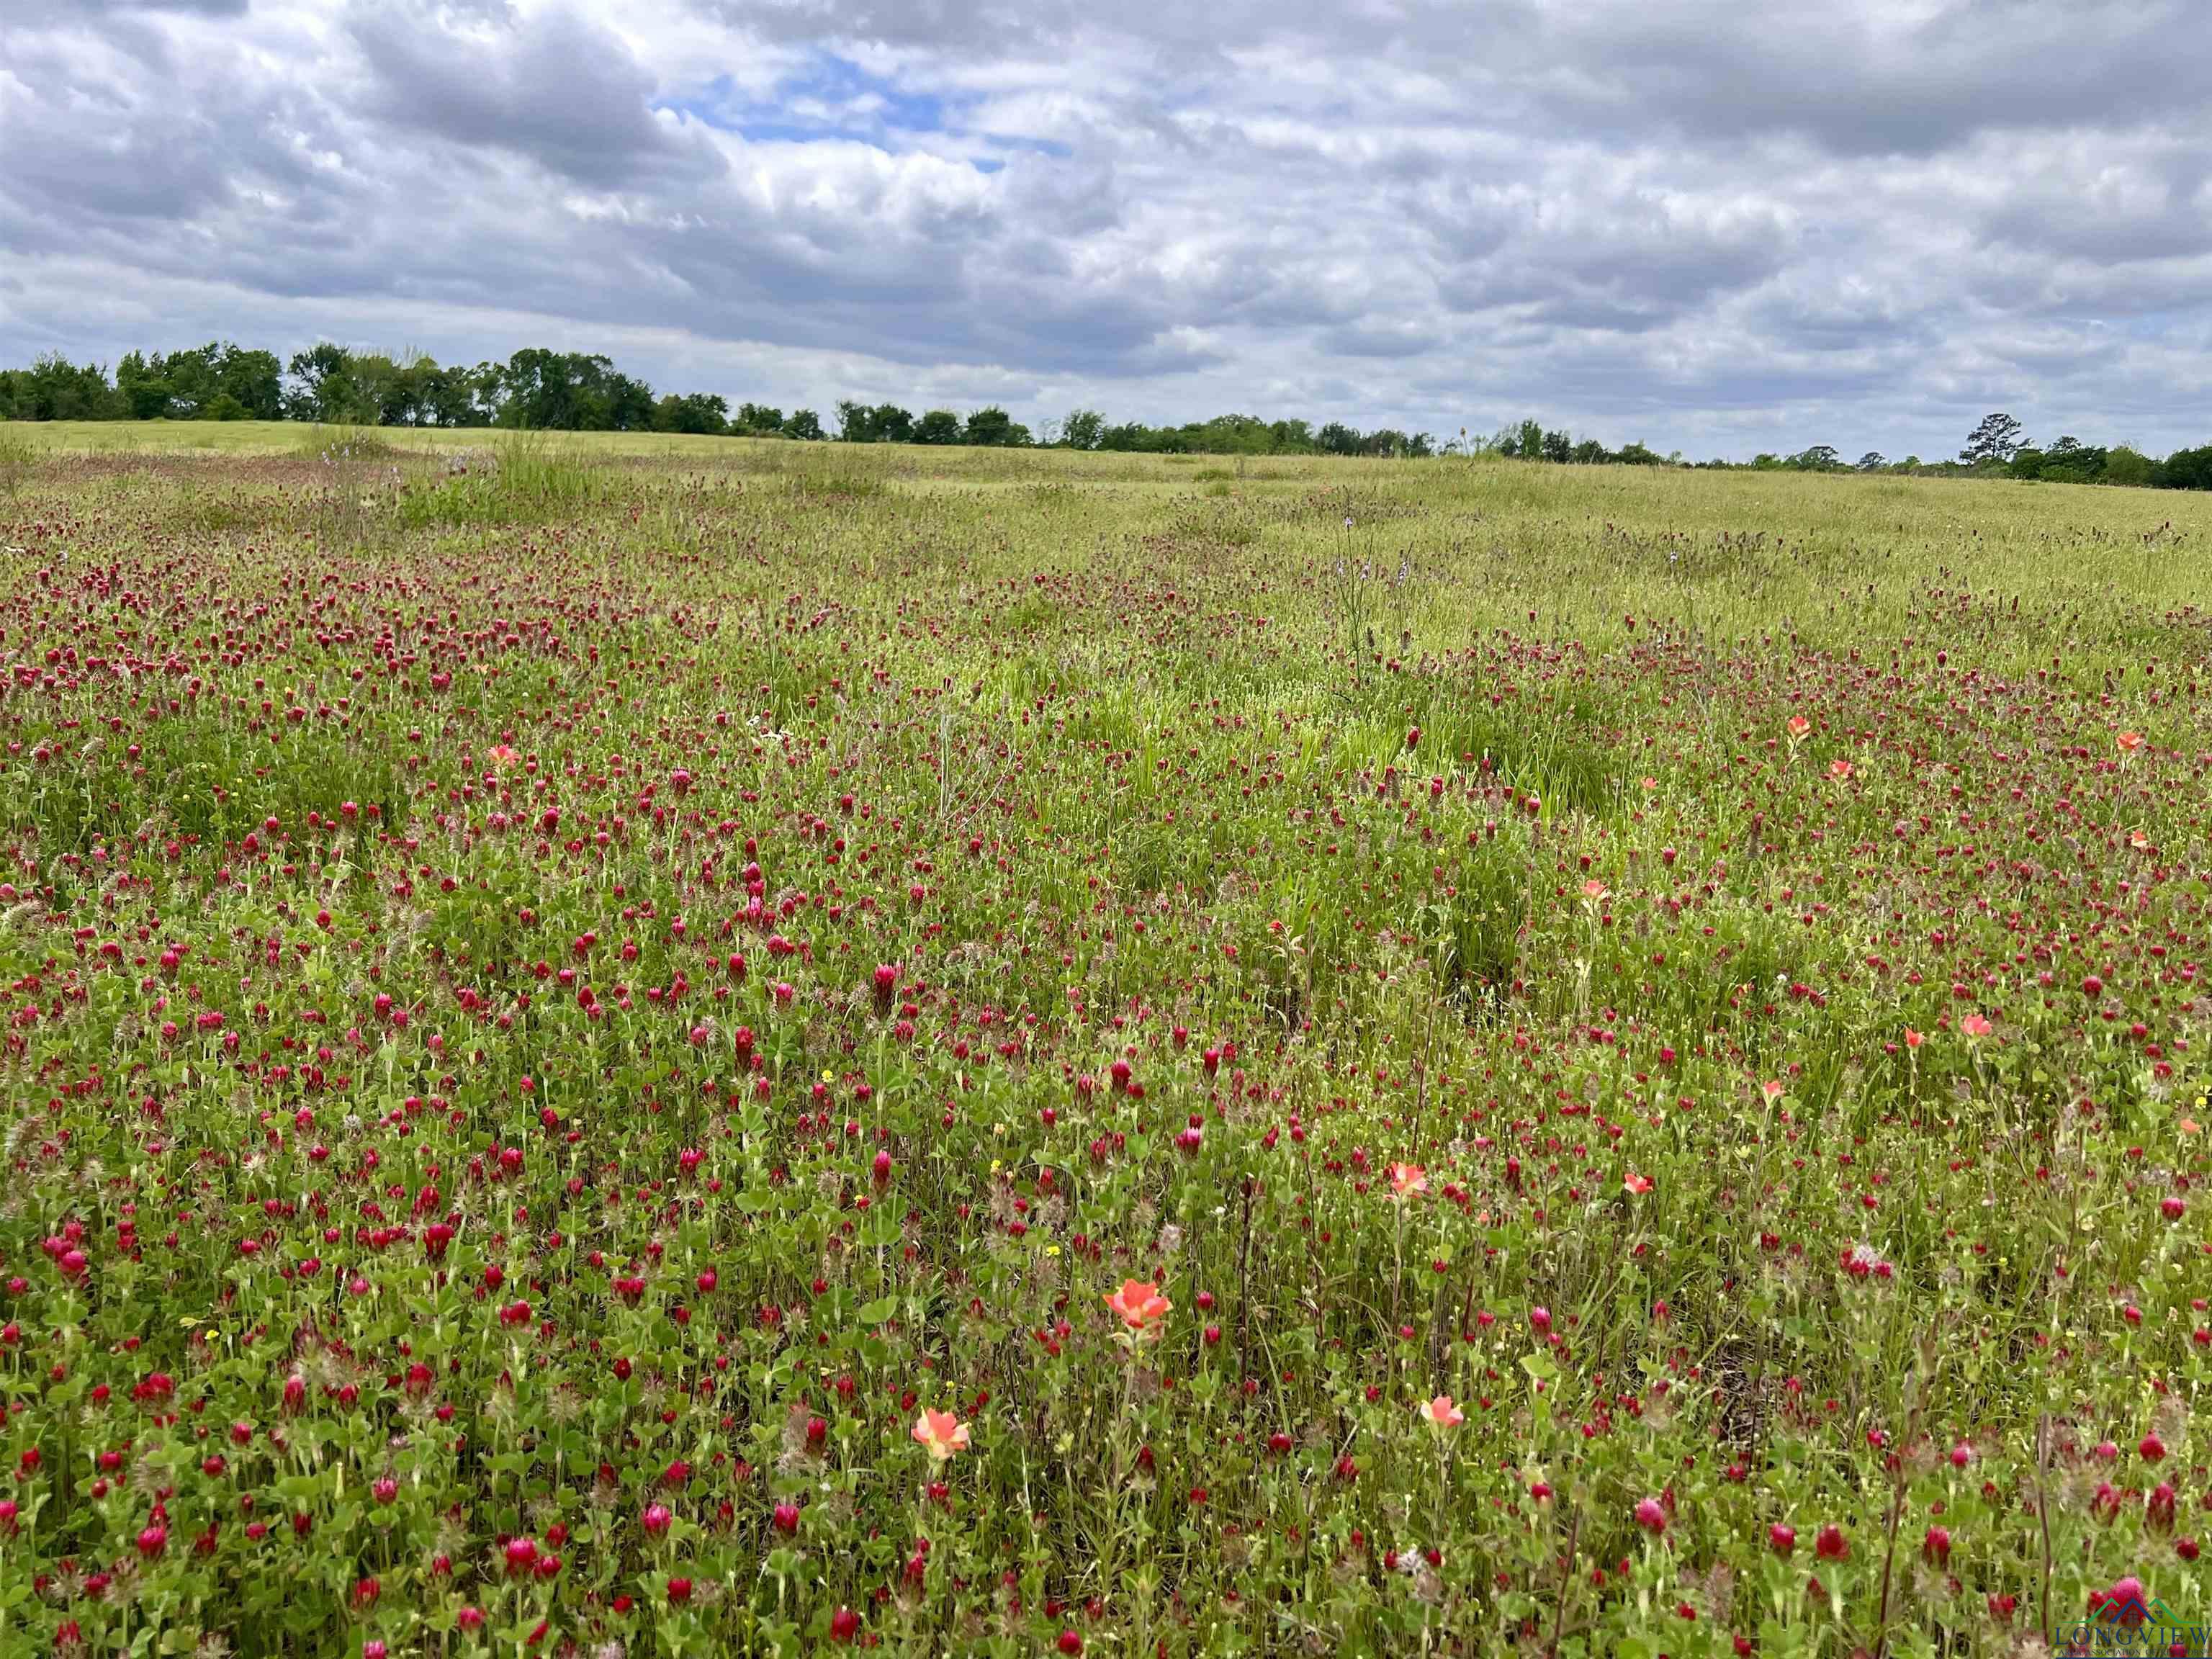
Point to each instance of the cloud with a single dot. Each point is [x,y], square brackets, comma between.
[1861,224]
[555,87]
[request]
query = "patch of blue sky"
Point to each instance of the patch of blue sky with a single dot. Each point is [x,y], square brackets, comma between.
[1015,141]
[832,97]
[829,97]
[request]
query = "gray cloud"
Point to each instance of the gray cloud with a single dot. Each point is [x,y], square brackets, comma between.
[554,86]
[1856,224]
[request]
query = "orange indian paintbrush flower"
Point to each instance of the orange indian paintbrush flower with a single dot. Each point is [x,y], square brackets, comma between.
[1139,1305]
[940,1434]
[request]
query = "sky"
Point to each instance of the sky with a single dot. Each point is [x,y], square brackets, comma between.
[1701,226]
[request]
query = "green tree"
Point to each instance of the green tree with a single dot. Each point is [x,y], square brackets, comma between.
[2129,467]
[885,423]
[2071,461]
[379,390]
[253,379]
[323,387]
[938,426]
[1083,429]
[1997,439]
[992,428]
[571,392]
[144,393]
[697,412]
[54,389]
[2186,469]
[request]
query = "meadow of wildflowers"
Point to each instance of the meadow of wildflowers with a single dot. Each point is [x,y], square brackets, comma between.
[665,1050]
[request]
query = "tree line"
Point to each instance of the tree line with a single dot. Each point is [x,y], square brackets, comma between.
[543,390]
[581,391]
[537,388]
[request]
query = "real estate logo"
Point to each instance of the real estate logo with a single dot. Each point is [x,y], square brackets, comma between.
[2123,1621]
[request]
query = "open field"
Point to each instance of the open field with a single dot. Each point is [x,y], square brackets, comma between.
[593,1024]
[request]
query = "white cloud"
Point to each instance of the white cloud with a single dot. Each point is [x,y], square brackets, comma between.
[1859,225]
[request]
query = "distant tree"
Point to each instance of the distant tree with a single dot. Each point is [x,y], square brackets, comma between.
[2071,461]
[993,428]
[216,381]
[1589,453]
[1420,446]
[190,379]
[760,420]
[547,391]
[1820,457]
[536,391]
[1557,447]
[54,389]
[384,393]
[412,398]
[1132,437]
[193,378]
[1873,461]
[620,404]
[804,425]
[255,378]
[1230,435]
[322,385]
[1997,439]
[458,396]
[1337,439]
[885,423]
[145,394]
[1530,441]
[2128,466]
[938,426]
[699,412]
[2185,469]
[1083,429]
[1636,454]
